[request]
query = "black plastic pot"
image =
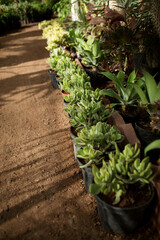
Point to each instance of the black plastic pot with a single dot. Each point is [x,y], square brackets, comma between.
[96,78]
[87,175]
[53,78]
[145,136]
[125,220]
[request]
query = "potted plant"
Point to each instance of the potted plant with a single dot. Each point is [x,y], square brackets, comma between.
[78,94]
[124,96]
[92,145]
[87,113]
[148,124]
[55,34]
[53,62]
[123,190]
[101,136]
[92,58]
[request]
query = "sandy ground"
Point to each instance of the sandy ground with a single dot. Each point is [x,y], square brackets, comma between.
[42,194]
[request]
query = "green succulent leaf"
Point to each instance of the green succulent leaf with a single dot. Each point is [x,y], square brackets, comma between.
[94,189]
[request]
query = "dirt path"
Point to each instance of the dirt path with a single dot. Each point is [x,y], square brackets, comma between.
[42,194]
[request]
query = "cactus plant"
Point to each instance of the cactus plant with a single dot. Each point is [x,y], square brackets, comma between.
[122,169]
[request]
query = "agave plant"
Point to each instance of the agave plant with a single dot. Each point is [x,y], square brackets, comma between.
[126,93]
[122,169]
[150,93]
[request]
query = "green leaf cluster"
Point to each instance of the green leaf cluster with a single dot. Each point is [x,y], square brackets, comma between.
[122,169]
[90,50]
[90,154]
[86,114]
[55,34]
[102,137]
[125,94]
[79,94]
[71,76]
[150,93]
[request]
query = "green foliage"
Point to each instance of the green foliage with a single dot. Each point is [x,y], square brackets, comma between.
[55,34]
[150,93]
[9,18]
[153,145]
[71,76]
[63,8]
[126,94]
[73,35]
[90,50]
[86,114]
[90,154]
[76,95]
[11,15]
[102,137]
[122,169]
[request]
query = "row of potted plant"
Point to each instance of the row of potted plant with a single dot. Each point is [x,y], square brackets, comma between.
[118,172]
[13,14]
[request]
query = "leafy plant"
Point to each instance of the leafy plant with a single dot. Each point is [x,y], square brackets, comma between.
[55,34]
[86,114]
[75,82]
[90,154]
[122,169]
[150,93]
[73,35]
[126,94]
[63,8]
[102,137]
[90,50]
[78,94]
[153,145]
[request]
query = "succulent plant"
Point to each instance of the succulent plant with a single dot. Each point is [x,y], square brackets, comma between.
[90,155]
[79,94]
[122,169]
[102,137]
[87,113]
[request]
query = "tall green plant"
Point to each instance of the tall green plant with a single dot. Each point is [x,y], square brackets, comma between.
[125,94]
[151,93]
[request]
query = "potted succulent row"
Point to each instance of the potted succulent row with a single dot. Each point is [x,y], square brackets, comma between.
[117,171]
[93,145]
